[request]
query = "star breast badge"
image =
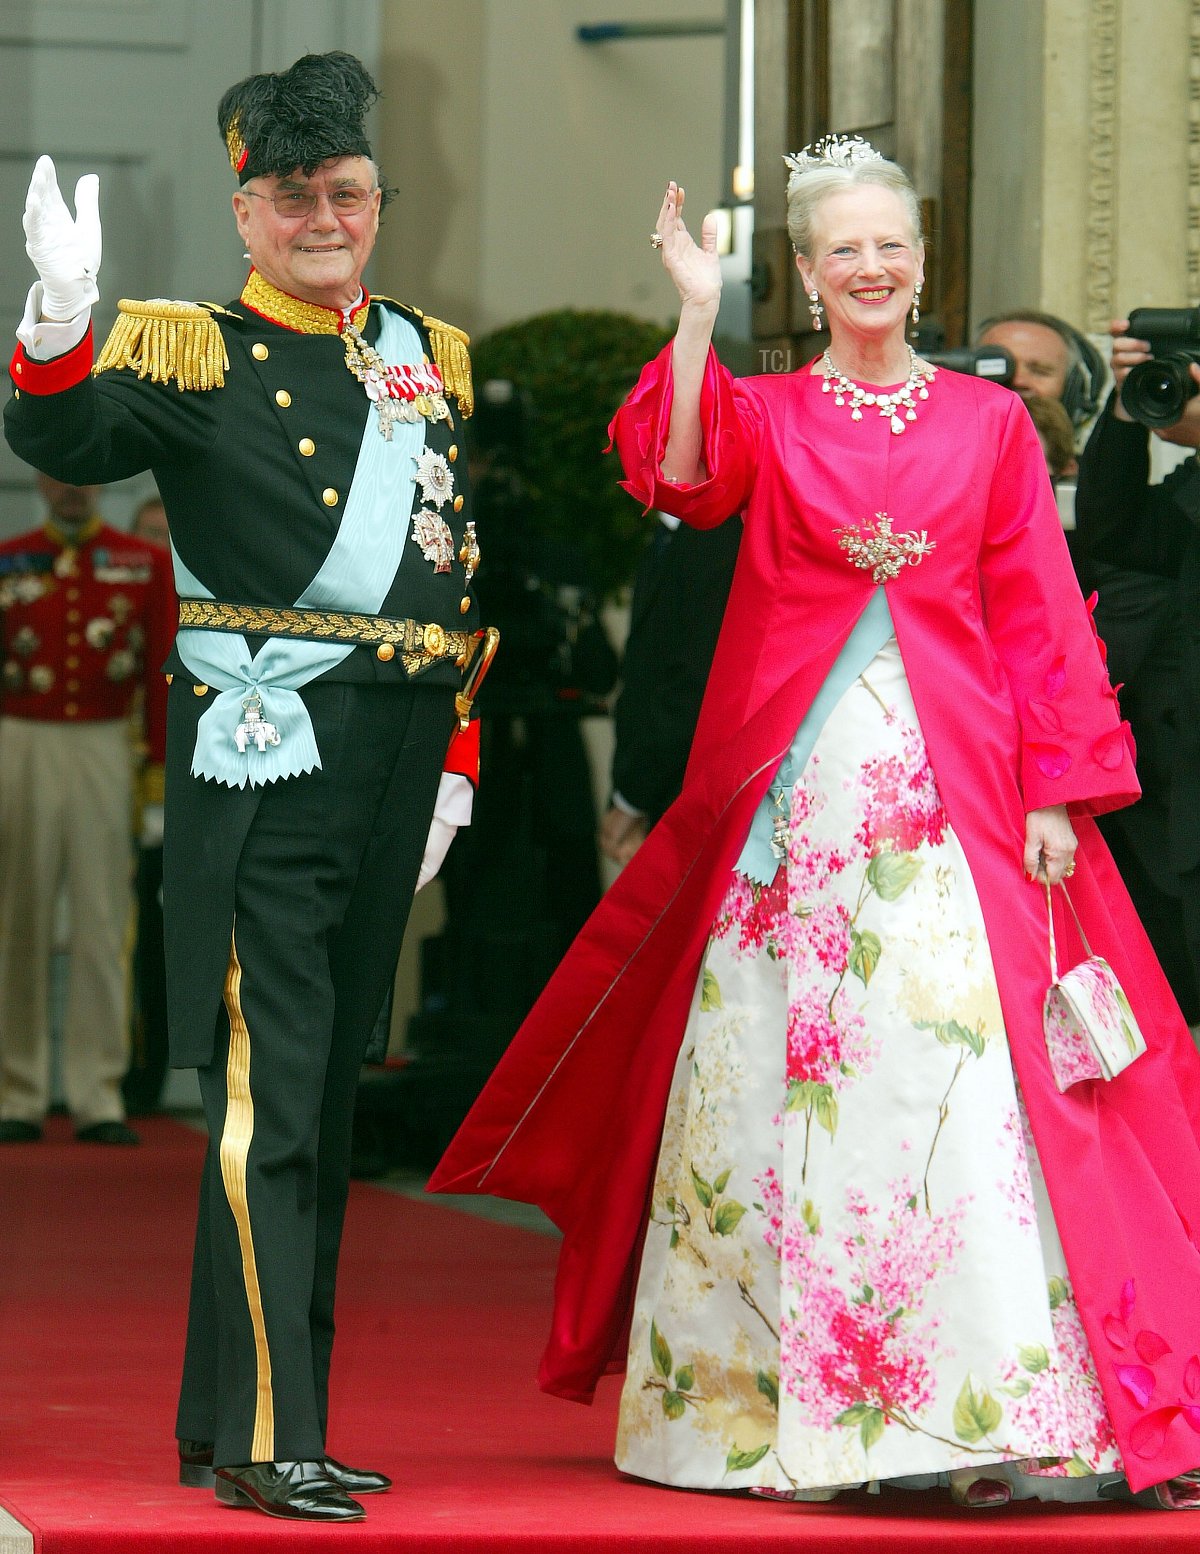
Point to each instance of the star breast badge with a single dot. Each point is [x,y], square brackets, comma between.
[432,534]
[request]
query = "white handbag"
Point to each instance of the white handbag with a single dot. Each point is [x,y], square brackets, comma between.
[1091,1031]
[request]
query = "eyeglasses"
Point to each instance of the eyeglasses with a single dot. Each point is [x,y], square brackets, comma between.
[295,203]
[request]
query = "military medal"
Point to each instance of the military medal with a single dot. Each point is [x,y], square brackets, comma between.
[469,556]
[434,477]
[399,393]
[254,728]
[432,533]
[120,666]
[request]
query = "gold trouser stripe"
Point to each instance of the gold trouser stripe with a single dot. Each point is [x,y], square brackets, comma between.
[235,1148]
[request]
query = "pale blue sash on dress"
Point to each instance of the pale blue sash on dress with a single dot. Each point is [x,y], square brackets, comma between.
[356,575]
[874,627]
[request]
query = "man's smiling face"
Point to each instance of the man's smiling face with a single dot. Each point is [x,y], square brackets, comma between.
[319,255]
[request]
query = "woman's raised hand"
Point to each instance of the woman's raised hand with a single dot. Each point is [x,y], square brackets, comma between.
[696,271]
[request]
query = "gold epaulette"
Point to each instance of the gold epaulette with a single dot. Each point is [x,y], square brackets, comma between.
[449,346]
[451,354]
[168,342]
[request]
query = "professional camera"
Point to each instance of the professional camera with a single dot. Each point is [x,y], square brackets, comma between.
[977,361]
[1155,392]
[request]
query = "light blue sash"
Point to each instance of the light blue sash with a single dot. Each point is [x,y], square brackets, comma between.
[356,575]
[873,628]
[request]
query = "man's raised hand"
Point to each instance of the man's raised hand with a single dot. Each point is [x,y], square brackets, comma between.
[65,249]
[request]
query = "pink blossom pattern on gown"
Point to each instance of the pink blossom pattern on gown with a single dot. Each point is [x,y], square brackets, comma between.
[851,1271]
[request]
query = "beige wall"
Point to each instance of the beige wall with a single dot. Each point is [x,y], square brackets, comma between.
[530,166]
[1082,156]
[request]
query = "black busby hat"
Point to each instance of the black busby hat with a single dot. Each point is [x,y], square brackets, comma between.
[300,117]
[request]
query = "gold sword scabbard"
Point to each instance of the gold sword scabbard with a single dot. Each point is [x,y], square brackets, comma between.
[480,663]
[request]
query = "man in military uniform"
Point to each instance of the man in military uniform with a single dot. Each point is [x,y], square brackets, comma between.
[307,441]
[86,617]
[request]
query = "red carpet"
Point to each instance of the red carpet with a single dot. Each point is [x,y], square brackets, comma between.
[441,1321]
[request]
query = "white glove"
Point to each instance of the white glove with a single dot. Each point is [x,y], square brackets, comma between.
[455,799]
[152,826]
[65,250]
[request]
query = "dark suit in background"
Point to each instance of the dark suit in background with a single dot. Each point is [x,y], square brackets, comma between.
[678,604]
[1152,626]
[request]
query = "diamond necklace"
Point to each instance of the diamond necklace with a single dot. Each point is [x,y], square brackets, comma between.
[919,374]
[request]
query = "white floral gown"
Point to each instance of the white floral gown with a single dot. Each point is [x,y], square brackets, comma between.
[851,1272]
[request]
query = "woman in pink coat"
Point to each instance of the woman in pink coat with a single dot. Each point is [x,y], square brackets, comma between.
[788,1096]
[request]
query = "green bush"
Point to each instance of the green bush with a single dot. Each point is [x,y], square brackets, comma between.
[573,369]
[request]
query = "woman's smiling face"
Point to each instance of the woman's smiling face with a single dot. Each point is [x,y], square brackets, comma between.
[866,261]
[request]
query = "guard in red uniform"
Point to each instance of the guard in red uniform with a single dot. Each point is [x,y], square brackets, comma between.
[86,617]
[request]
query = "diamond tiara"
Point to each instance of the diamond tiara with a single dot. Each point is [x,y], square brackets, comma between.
[831,151]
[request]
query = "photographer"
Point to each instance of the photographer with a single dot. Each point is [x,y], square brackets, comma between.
[1122,518]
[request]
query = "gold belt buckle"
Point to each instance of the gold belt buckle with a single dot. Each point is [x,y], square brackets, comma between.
[434,640]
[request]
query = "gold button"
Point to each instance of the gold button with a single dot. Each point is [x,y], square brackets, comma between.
[70,709]
[72,662]
[72,594]
[453,452]
[385,652]
[259,352]
[282,397]
[434,640]
[169,678]
[458,504]
[308,448]
[199,690]
[73,616]
[17,367]
[72,686]
[17,392]
[329,496]
[73,639]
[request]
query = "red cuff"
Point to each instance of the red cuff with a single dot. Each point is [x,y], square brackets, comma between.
[462,757]
[52,377]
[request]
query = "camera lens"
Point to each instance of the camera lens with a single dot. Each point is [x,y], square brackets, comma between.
[1155,392]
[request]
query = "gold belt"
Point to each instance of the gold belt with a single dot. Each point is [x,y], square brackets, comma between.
[420,646]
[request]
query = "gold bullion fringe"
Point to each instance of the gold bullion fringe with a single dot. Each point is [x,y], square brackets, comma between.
[168,342]
[236,1137]
[454,360]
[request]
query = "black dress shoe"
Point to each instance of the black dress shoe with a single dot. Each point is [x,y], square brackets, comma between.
[14,1132]
[297,1491]
[107,1133]
[357,1481]
[196,1471]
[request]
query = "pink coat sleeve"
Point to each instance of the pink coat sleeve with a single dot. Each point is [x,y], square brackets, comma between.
[1075,750]
[732,425]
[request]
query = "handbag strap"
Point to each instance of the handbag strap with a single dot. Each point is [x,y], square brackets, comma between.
[1050,920]
[1050,923]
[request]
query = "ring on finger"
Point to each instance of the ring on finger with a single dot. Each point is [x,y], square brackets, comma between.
[1069,870]
[656,240]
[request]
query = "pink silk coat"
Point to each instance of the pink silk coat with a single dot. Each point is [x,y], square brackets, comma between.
[1015,705]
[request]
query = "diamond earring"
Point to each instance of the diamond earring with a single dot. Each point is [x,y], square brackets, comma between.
[814,307]
[916,307]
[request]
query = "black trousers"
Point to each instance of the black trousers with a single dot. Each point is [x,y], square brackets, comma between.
[323,888]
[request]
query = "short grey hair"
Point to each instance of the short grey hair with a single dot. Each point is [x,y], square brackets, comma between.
[807,189]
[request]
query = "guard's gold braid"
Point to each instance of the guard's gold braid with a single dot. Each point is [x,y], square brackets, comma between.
[454,360]
[168,342]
